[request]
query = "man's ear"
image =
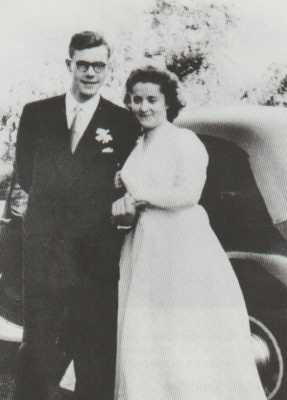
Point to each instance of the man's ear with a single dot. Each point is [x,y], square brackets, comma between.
[68,64]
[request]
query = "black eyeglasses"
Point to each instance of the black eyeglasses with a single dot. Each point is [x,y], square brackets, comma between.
[83,66]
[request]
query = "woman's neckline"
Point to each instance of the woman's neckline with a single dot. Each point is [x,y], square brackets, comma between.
[150,135]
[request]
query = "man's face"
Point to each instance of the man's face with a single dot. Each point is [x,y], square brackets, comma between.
[88,68]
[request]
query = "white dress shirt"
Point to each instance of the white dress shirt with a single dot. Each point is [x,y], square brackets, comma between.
[86,109]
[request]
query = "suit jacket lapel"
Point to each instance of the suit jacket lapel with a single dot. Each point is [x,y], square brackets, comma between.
[65,160]
[59,119]
[96,121]
[61,136]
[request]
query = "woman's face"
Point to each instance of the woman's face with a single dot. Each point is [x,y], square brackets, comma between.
[148,104]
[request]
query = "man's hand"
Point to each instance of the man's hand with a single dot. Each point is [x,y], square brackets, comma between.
[6,170]
[124,211]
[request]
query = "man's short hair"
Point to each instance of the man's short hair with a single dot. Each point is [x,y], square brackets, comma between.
[86,40]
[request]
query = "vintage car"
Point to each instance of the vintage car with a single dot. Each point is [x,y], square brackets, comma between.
[246,199]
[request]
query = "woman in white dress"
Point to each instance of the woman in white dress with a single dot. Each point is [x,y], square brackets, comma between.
[183,325]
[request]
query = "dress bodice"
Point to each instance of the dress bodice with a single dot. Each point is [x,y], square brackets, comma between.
[167,171]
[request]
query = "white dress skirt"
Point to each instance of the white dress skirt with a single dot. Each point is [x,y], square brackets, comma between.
[183,329]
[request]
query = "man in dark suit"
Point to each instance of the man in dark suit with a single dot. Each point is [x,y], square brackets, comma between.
[68,150]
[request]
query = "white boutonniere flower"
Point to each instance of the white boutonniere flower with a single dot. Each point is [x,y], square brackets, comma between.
[103,136]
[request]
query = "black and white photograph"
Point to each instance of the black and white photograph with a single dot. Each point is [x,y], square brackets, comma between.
[143,200]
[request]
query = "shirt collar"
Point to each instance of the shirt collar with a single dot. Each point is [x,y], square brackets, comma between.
[88,106]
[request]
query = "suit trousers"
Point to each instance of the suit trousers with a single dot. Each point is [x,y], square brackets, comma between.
[79,323]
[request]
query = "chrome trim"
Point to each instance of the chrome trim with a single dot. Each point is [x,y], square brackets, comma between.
[275,264]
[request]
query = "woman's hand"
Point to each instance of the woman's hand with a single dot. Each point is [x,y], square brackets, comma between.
[124,211]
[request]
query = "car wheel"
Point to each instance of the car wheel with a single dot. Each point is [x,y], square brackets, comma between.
[268,357]
[263,281]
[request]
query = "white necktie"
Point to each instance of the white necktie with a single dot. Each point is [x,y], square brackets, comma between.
[76,129]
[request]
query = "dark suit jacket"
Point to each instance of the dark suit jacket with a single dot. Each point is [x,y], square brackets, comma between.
[68,235]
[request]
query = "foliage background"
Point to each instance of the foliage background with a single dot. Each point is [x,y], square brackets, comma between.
[196,39]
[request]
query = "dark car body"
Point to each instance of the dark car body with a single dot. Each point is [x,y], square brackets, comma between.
[246,147]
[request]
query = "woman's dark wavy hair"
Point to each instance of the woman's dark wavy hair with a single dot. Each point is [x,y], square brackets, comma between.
[168,83]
